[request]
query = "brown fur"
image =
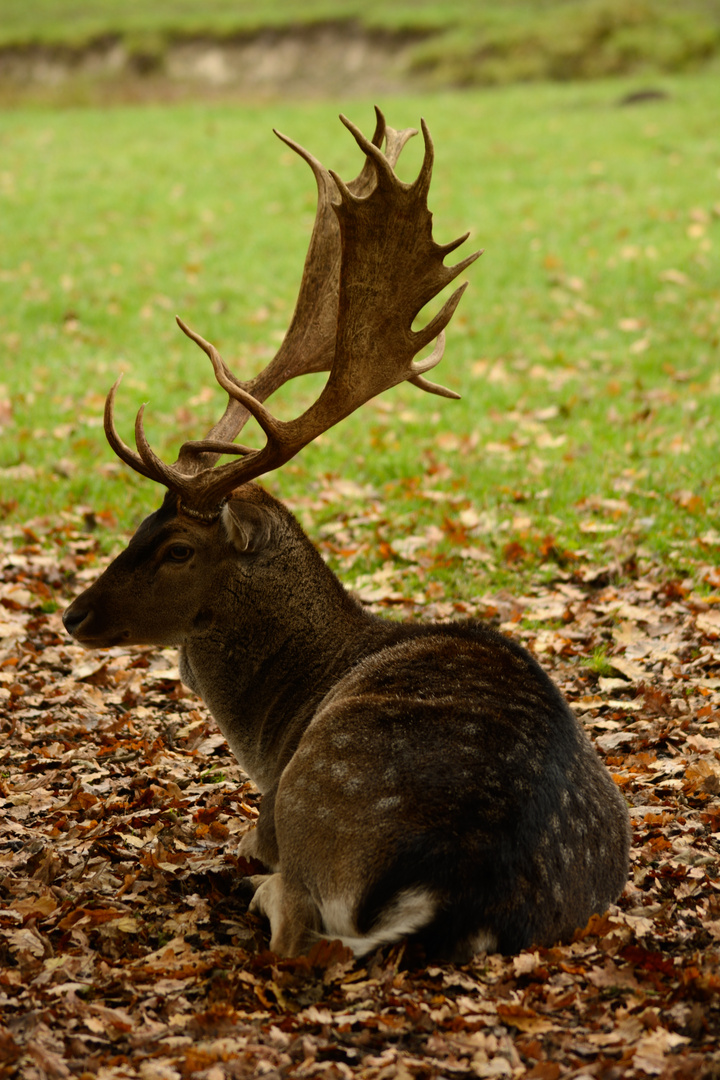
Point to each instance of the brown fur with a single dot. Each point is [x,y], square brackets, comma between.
[426,780]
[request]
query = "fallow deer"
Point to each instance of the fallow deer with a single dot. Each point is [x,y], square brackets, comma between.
[418,780]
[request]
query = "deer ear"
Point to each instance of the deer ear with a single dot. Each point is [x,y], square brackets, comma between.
[248,526]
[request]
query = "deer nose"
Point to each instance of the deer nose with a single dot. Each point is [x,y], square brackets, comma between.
[73,618]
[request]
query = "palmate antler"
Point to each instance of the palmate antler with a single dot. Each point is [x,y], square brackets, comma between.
[371,267]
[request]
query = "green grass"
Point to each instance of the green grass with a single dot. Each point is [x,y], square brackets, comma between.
[472,42]
[75,23]
[598,662]
[586,347]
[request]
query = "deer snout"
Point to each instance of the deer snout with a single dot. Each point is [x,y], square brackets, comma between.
[73,618]
[81,620]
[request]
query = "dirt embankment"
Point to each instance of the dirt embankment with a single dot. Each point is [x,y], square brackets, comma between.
[310,62]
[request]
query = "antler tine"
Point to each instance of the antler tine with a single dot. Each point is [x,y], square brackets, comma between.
[395,141]
[317,167]
[123,451]
[215,358]
[168,475]
[196,454]
[447,249]
[383,168]
[432,361]
[439,322]
[265,419]
[424,177]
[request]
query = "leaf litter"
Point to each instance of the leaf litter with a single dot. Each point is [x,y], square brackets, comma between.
[127,949]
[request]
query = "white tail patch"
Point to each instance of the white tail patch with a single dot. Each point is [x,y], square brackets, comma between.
[409,912]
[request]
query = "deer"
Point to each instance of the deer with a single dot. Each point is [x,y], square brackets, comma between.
[419,781]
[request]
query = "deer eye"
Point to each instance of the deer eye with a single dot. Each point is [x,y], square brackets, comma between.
[179,552]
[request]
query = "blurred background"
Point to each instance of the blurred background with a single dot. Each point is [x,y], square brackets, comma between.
[105,49]
[576,139]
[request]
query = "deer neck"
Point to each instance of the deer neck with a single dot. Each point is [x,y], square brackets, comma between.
[262,682]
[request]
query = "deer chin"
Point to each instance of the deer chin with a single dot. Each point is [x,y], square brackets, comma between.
[105,641]
[186,672]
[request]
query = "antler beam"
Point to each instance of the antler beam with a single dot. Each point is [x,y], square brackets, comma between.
[371,267]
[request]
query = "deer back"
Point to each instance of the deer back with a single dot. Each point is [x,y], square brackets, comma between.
[442,788]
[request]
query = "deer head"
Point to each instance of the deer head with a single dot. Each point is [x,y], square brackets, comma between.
[371,267]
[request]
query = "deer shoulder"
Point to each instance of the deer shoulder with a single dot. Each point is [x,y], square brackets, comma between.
[418,780]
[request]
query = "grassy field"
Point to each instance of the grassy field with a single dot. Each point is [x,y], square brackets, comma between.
[586,348]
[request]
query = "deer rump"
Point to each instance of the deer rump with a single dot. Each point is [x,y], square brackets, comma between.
[443,789]
[426,781]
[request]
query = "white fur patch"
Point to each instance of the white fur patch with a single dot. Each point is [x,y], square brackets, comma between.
[390,802]
[409,912]
[483,941]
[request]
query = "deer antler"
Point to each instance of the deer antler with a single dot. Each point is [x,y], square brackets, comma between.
[371,267]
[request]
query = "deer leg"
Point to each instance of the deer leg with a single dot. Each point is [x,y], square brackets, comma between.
[295,921]
[261,842]
[248,846]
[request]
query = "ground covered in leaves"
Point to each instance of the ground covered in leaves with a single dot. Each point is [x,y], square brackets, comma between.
[125,944]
